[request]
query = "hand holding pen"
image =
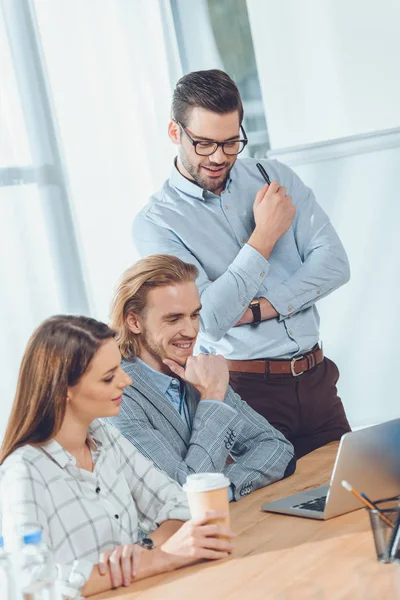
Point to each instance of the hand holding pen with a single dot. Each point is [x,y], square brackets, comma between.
[273,215]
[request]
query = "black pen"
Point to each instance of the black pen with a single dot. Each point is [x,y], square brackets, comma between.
[263,173]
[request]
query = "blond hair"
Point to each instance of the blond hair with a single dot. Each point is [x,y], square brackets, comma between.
[131,292]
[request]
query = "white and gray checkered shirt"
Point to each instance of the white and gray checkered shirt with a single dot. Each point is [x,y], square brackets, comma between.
[81,513]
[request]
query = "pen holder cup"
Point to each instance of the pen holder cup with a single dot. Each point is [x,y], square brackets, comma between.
[384,524]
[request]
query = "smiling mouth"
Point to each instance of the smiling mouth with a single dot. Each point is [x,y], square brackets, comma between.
[215,170]
[183,345]
[119,399]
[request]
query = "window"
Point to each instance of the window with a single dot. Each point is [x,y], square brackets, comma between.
[36,242]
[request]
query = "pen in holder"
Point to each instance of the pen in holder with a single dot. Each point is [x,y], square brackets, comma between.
[385,521]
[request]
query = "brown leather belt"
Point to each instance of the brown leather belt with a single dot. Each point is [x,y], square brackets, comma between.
[295,366]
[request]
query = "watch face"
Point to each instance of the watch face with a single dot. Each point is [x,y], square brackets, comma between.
[147,543]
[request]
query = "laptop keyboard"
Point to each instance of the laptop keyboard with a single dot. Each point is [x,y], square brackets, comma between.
[317,504]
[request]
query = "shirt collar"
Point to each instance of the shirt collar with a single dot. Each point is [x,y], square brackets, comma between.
[181,183]
[160,380]
[62,457]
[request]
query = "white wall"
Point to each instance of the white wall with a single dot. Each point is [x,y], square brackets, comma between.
[359,324]
[327,68]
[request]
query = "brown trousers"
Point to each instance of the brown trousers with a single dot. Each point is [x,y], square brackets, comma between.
[306,409]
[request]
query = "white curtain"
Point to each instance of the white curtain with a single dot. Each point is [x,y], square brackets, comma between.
[111,91]
[83,144]
[36,280]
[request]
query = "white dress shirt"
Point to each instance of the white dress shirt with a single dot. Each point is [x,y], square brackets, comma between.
[84,513]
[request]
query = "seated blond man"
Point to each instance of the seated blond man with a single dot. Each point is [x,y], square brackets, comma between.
[179,410]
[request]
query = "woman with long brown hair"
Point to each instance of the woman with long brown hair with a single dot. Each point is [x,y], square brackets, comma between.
[78,480]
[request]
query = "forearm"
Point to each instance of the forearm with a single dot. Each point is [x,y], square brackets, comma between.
[260,467]
[165,531]
[314,280]
[261,452]
[155,562]
[225,300]
[211,422]
[318,277]
[167,459]
[266,309]
[151,562]
[158,447]
[216,426]
[97,583]
[259,242]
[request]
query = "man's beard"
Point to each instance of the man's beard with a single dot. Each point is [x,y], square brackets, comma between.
[211,185]
[155,349]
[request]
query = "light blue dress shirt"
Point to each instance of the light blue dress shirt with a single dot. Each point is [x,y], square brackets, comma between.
[173,389]
[307,262]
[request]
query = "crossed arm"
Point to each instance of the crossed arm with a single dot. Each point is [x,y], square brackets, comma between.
[323,265]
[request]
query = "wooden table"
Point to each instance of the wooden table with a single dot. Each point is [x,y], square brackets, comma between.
[275,554]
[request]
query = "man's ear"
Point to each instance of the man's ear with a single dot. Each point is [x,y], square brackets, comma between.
[174,132]
[134,323]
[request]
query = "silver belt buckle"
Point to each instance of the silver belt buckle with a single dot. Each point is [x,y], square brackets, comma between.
[292,363]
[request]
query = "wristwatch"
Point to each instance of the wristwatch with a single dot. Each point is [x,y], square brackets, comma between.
[255,309]
[147,543]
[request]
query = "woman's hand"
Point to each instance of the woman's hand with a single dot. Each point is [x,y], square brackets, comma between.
[122,564]
[199,539]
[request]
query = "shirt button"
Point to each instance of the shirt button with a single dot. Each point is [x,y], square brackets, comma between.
[262,275]
[175,383]
[291,331]
[243,240]
[243,303]
[226,206]
[116,516]
[290,308]
[319,291]
[97,490]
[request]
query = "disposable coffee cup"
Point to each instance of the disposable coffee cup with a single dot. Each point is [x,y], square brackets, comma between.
[206,492]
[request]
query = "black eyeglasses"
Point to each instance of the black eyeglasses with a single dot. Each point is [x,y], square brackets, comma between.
[206,148]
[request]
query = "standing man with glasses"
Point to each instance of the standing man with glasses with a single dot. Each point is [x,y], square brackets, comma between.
[265,254]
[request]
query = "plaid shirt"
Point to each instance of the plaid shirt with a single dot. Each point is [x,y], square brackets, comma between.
[81,513]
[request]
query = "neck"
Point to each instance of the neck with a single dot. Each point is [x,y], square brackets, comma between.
[183,171]
[73,434]
[153,361]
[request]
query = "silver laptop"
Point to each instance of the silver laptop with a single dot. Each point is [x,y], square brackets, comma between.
[369,459]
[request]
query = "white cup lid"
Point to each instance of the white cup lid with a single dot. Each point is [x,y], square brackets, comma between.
[205,482]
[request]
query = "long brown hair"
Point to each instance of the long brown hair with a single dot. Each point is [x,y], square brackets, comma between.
[57,355]
[155,271]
